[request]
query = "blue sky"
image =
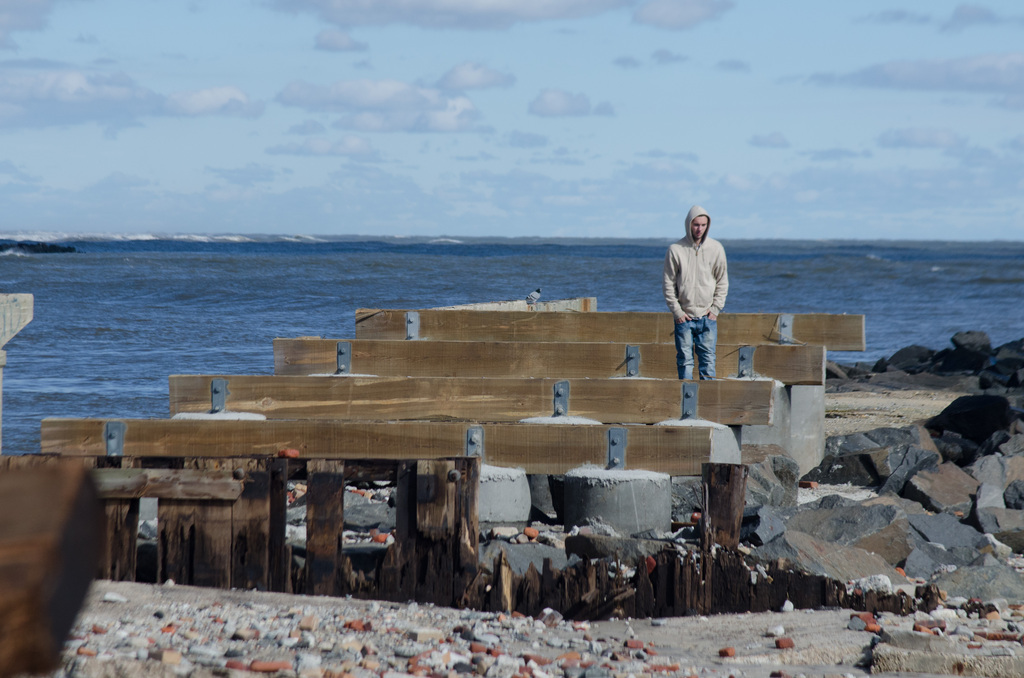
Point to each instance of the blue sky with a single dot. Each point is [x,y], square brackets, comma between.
[576,118]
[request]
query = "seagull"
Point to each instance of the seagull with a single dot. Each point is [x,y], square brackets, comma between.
[533,296]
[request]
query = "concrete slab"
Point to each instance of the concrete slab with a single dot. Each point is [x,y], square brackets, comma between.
[504,495]
[799,425]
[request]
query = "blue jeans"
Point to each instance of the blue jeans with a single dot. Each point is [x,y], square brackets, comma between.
[700,335]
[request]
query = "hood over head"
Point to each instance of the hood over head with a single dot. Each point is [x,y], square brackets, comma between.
[695,212]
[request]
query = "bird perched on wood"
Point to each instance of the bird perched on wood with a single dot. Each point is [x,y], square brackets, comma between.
[533,296]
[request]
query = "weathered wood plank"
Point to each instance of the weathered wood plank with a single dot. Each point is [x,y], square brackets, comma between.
[51,540]
[792,365]
[133,483]
[250,525]
[547,448]
[325,521]
[644,401]
[835,332]
[574,305]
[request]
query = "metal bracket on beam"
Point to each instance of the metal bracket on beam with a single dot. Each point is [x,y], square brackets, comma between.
[412,325]
[746,362]
[113,436]
[786,328]
[617,438]
[218,395]
[689,400]
[344,357]
[632,361]
[561,399]
[475,442]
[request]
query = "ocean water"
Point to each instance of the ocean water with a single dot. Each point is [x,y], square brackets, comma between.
[115,319]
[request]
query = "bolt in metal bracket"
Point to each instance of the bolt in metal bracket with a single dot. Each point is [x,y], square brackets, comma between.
[786,328]
[689,400]
[218,395]
[746,362]
[617,438]
[475,442]
[632,361]
[344,357]
[412,325]
[113,436]
[561,399]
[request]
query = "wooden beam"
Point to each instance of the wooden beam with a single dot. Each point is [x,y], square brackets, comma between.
[538,448]
[133,483]
[642,401]
[574,305]
[835,332]
[792,365]
[50,543]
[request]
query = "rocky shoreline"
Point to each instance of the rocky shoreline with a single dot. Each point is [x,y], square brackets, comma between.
[930,493]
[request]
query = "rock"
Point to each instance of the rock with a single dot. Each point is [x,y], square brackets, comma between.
[686,496]
[975,417]
[944,489]
[973,340]
[1013,446]
[807,554]
[766,488]
[992,443]
[1013,497]
[881,365]
[879,528]
[629,550]
[761,524]
[363,514]
[945,529]
[927,559]
[1006,525]
[962,360]
[911,358]
[835,371]
[989,496]
[902,464]
[982,582]
[955,448]
[520,556]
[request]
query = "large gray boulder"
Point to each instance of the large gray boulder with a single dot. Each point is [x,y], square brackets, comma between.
[943,489]
[927,558]
[883,529]
[807,554]
[773,482]
[986,583]
[945,529]
[1006,525]
[871,458]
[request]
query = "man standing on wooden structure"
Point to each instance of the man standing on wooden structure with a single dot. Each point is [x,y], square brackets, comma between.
[696,283]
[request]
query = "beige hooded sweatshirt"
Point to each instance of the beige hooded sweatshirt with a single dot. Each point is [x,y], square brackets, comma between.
[696,278]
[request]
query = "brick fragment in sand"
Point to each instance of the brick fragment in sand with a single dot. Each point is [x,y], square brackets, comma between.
[370,664]
[568,656]
[536,659]
[531,532]
[236,665]
[784,643]
[356,625]
[727,652]
[86,651]
[477,647]
[270,666]
[308,623]
[245,634]
[634,644]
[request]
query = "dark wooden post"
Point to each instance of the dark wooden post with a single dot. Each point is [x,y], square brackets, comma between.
[724,487]
[325,521]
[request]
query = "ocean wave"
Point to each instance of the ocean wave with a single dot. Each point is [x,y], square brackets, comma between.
[445,241]
[988,280]
[14,252]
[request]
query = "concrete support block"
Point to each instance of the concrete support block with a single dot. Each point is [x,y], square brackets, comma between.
[799,425]
[504,495]
[628,501]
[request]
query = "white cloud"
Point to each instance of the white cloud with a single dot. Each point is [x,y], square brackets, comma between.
[551,103]
[307,127]
[773,140]
[349,146]
[681,14]
[897,16]
[469,14]
[22,15]
[471,75]
[920,138]
[250,175]
[333,40]
[994,73]
[213,101]
[965,16]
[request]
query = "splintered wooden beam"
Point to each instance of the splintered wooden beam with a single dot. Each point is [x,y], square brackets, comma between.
[835,332]
[792,365]
[538,448]
[51,537]
[642,401]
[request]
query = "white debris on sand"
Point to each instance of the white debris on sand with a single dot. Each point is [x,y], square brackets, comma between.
[806,495]
[225,415]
